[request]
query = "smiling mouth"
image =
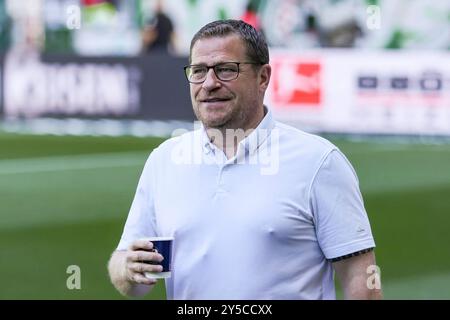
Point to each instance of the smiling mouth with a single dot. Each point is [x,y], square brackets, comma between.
[215,100]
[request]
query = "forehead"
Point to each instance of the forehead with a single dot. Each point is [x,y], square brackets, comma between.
[218,49]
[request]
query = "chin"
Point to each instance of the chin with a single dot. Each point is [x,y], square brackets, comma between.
[215,123]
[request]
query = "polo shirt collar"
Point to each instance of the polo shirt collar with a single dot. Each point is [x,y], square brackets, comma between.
[253,141]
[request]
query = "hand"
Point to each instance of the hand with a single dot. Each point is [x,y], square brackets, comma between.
[138,257]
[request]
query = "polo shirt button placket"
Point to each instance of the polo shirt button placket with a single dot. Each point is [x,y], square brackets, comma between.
[220,185]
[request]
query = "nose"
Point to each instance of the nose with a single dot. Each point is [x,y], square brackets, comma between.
[211,82]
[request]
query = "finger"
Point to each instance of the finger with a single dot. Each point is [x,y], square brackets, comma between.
[141,244]
[141,256]
[141,279]
[145,267]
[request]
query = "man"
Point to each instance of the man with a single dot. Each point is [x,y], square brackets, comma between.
[258,209]
[158,36]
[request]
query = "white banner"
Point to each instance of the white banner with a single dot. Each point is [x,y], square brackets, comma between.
[400,92]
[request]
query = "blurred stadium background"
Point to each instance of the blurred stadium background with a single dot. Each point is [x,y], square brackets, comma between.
[83,102]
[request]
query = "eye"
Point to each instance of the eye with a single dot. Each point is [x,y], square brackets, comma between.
[226,68]
[197,70]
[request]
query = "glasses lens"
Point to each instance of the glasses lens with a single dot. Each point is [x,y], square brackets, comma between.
[224,71]
[196,73]
[227,71]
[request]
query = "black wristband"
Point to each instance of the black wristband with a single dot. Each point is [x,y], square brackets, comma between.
[354,254]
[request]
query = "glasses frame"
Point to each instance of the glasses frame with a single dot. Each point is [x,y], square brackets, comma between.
[215,71]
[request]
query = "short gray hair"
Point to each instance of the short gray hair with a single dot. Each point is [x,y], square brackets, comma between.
[257,50]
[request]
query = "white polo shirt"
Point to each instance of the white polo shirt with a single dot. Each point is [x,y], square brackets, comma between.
[262,225]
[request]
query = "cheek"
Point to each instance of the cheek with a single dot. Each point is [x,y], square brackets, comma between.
[193,91]
[246,94]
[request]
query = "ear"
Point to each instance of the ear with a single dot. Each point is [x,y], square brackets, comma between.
[265,72]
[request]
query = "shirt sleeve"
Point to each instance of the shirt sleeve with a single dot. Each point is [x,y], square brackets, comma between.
[342,224]
[141,220]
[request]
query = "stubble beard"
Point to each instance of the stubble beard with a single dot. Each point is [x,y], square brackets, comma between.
[232,120]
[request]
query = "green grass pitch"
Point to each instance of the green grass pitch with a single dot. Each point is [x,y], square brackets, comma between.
[64,200]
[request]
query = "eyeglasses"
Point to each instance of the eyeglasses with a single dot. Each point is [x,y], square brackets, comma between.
[225,71]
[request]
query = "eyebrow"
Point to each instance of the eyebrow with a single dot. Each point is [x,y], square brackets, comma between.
[214,64]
